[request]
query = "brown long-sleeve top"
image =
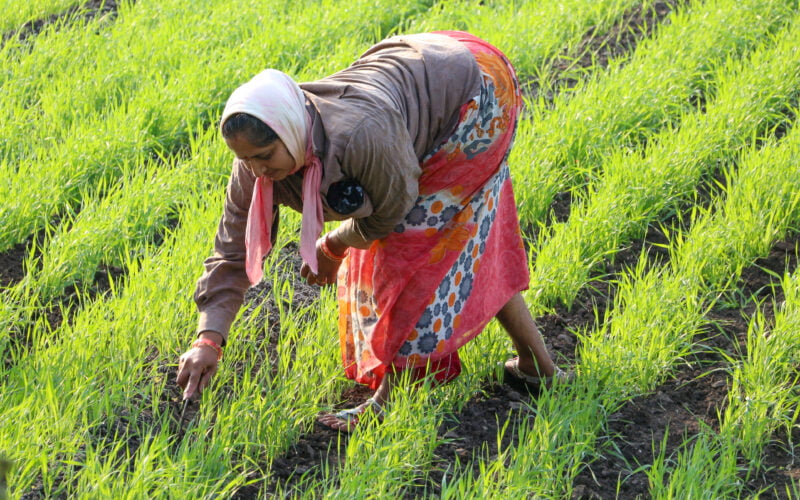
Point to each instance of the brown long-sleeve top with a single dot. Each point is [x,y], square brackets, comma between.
[372,124]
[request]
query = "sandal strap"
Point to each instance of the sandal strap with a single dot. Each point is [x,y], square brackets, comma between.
[528,379]
[348,415]
[376,407]
[352,414]
[512,367]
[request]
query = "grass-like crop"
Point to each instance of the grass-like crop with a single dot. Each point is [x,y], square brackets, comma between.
[114,99]
[637,189]
[762,202]
[18,12]
[562,147]
[109,157]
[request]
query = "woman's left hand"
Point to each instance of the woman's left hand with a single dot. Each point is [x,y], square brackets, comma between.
[327,267]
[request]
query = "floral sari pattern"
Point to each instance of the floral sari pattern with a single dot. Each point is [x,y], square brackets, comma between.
[414,297]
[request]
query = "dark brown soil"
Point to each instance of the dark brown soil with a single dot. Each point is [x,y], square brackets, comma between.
[596,50]
[678,406]
[11,269]
[85,11]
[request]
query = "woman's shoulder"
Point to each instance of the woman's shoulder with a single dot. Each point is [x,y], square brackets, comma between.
[432,47]
[346,109]
[399,64]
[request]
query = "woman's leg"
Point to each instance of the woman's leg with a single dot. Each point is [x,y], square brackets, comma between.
[518,322]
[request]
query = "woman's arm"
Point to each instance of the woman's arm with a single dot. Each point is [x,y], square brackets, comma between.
[220,291]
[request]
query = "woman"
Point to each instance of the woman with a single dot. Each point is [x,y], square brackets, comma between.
[408,148]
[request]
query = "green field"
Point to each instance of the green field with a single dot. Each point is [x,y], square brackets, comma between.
[657,175]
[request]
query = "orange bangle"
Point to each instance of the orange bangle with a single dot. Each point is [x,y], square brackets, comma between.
[323,245]
[209,343]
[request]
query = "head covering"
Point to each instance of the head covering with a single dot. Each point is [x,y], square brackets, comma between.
[275,99]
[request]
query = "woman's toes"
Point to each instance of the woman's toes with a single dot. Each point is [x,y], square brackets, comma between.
[332,421]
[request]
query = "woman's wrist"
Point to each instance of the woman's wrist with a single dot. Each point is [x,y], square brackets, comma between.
[213,336]
[332,247]
[208,344]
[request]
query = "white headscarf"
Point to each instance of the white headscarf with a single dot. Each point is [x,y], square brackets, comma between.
[275,99]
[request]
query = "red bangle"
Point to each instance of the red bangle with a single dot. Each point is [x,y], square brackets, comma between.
[323,245]
[210,343]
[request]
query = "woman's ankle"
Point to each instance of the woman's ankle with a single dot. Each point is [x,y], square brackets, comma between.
[529,366]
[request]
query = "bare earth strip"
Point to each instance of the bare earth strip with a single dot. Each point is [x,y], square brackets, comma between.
[88,10]
[695,396]
[596,50]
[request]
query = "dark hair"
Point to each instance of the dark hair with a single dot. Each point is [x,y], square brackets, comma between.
[255,131]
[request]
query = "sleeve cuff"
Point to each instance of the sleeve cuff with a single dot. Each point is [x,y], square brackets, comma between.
[215,321]
[349,235]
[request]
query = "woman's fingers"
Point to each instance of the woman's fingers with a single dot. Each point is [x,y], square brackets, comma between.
[195,370]
[311,278]
[205,378]
[194,380]
[183,373]
[326,275]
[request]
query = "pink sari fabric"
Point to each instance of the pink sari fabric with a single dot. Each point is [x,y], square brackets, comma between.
[461,239]
[275,99]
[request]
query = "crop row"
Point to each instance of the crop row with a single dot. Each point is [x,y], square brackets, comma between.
[104,376]
[654,317]
[761,204]
[78,181]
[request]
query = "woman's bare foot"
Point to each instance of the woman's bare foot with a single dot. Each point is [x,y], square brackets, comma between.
[347,420]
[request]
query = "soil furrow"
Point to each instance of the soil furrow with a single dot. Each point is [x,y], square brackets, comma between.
[596,50]
[696,395]
[86,11]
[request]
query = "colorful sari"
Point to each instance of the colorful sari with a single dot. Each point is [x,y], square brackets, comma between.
[414,297]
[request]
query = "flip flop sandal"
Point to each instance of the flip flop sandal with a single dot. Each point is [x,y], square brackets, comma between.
[532,382]
[352,414]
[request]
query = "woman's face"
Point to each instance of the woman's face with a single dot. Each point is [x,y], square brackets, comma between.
[272,161]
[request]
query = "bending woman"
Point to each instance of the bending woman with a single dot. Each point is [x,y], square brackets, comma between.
[408,147]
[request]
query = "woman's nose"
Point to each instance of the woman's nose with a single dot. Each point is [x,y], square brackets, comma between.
[256,167]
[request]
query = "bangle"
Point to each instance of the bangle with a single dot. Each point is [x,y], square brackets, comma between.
[210,343]
[323,245]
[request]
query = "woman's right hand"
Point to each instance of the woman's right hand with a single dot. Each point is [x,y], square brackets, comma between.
[327,265]
[197,365]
